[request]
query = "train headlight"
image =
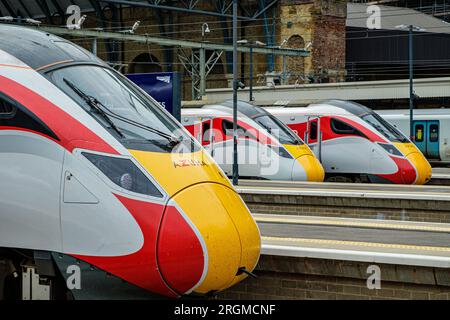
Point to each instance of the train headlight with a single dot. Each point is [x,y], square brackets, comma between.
[390,149]
[124,173]
[126,181]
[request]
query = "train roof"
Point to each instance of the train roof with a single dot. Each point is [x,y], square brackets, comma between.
[349,106]
[246,108]
[327,107]
[40,50]
[199,112]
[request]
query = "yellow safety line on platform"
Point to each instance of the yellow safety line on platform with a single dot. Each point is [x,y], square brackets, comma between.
[335,190]
[374,225]
[357,244]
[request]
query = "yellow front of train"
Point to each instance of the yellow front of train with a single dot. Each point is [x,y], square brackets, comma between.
[421,170]
[306,162]
[199,188]
[205,240]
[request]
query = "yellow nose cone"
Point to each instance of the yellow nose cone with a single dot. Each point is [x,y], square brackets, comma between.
[309,162]
[417,159]
[229,232]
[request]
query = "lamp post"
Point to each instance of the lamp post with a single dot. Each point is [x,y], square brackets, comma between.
[411,28]
[202,58]
[235,87]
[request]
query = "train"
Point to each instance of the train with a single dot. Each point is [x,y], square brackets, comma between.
[355,144]
[94,170]
[430,134]
[267,149]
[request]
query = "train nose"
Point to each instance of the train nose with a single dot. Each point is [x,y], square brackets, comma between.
[206,237]
[417,159]
[305,166]
[313,168]
[422,166]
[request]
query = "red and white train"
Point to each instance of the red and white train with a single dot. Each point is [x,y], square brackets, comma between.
[355,144]
[267,149]
[93,169]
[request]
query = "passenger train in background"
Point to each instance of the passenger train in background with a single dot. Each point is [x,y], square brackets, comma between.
[431,131]
[267,148]
[94,171]
[356,144]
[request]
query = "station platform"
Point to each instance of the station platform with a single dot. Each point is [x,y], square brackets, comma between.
[398,242]
[440,176]
[384,191]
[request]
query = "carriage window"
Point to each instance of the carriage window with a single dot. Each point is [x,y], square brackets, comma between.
[313,130]
[206,131]
[7,110]
[434,133]
[419,133]
[14,114]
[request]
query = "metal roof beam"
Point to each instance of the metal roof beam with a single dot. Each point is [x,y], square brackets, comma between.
[58,7]
[43,5]
[173,8]
[25,8]
[8,7]
[171,42]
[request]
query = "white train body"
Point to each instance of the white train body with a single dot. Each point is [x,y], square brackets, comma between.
[267,149]
[354,144]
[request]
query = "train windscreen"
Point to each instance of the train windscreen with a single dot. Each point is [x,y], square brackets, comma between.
[276,128]
[384,127]
[117,104]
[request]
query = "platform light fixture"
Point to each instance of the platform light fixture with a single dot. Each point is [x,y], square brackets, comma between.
[205,29]
[135,27]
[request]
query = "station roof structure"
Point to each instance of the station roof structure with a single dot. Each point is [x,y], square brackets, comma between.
[251,9]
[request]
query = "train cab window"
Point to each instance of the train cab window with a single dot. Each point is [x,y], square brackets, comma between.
[434,133]
[384,127]
[227,129]
[313,130]
[419,133]
[340,127]
[7,109]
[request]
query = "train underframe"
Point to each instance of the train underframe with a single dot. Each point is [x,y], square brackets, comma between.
[30,275]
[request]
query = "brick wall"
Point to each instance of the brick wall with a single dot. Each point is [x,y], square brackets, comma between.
[322,23]
[304,278]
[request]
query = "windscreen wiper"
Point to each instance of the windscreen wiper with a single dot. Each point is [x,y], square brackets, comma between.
[90,101]
[173,141]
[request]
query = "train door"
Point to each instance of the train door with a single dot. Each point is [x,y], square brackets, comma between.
[420,140]
[433,139]
[207,135]
[426,137]
[313,135]
[30,179]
